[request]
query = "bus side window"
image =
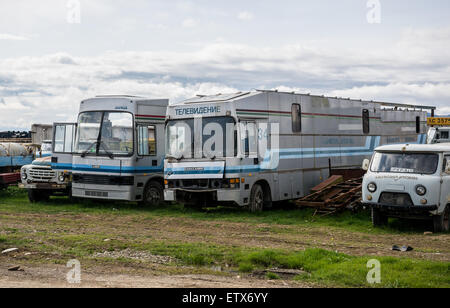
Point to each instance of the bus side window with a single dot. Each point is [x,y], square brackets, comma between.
[146,140]
[417,125]
[296,112]
[366,121]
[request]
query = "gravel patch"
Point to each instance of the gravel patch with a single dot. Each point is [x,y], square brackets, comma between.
[135,255]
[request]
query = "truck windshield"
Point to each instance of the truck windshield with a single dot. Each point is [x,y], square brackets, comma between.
[105,133]
[217,138]
[419,163]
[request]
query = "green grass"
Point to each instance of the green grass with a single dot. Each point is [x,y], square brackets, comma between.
[322,267]
[15,200]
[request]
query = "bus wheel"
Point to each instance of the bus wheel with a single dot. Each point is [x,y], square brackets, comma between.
[378,219]
[153,194]
[441,222]
[257,199]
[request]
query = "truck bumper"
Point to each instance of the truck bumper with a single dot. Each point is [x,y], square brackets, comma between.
[419,210]
[44,186]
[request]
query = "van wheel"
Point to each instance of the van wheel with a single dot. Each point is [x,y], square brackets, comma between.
[441,222]
[153,194]
[36,195]
[259,199]
[378,219]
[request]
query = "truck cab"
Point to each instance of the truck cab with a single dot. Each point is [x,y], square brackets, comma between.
[409,181]
[439,131]
[42,178]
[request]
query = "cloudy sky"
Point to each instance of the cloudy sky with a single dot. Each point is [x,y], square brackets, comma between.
[53,53]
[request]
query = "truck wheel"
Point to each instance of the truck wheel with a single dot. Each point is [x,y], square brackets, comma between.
[153,194]
[378,219]
[258,199]
[441,222]
[35,195]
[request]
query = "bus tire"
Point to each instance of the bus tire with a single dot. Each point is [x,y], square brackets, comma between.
[258,198]
[378,219]
[153,194]
[441,222]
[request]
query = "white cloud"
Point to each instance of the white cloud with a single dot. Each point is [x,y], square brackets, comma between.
[12,37]
[189,23]
[49,88]
[245,16]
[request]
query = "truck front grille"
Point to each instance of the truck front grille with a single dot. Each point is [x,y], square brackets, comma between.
[41,175]
[392,198]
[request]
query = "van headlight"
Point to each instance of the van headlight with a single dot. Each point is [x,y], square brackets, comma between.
[372,187]
[421,190]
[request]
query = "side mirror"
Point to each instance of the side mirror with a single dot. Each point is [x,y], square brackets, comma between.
[365,164]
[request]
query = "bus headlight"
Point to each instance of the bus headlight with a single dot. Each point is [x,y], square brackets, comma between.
[421,190]
[372,187]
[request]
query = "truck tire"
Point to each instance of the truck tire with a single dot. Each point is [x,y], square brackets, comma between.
[153,194]
[441,222]
[258,199]
[378,219]
[36,195]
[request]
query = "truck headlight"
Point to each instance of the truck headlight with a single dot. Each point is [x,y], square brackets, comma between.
[62,178]
[24,176]
[372,187]
[421,190]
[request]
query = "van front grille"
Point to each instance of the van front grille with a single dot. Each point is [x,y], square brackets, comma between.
[399,199]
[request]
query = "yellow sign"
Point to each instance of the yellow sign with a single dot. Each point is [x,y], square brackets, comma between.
[438,121]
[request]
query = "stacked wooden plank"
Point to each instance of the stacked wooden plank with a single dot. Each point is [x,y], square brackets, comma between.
[334,197]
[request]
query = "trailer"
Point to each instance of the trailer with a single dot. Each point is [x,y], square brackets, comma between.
[253,149]
[119,149]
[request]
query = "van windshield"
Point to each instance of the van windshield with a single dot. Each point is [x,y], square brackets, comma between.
[105,133]
[419,163]
[217,137]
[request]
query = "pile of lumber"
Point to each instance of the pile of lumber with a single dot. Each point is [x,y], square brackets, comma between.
[333,195]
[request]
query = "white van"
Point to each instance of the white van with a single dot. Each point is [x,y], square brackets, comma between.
[409,181]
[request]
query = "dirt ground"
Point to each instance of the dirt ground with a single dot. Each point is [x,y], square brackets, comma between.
[186,230]
[54,277]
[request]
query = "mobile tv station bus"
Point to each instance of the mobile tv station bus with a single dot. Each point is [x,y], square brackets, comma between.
[252,149]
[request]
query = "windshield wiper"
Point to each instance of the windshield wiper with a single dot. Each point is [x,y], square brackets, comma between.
[83,155]
[110,155]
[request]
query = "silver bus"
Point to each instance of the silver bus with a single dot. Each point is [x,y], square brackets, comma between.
[255,148]
[119,149]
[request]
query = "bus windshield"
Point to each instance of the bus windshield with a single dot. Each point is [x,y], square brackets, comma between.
[104,133]
[217,139]
[419,163]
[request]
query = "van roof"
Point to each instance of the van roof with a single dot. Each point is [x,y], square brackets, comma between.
[439,147]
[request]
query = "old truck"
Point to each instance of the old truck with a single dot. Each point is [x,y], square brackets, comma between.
[40,178]
[409,181]
[439,131]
